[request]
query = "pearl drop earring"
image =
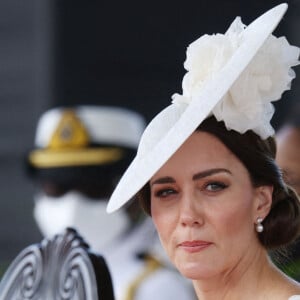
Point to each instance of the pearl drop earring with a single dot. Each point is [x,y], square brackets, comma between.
[259,226]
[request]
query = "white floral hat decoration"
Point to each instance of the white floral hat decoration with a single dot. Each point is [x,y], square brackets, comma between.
[234,76]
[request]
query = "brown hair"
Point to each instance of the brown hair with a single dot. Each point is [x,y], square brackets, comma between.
[282,225]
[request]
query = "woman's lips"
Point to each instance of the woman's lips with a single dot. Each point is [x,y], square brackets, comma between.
[194,246]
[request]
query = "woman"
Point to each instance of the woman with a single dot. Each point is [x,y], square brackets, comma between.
[205,167]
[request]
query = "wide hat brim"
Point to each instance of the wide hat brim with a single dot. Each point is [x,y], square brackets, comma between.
[175,123]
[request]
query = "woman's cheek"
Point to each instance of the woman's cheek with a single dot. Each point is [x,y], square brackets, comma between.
[165,225]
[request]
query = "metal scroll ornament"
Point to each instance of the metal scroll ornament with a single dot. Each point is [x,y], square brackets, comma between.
[57,269]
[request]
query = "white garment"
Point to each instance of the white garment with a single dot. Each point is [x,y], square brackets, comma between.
[88,217]
[295,297]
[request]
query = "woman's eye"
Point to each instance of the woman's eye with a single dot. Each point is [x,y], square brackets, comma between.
[215,186]
[164,193]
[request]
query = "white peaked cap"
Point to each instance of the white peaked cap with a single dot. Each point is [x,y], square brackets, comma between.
[105,125]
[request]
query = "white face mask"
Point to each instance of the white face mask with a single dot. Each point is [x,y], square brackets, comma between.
[89,217]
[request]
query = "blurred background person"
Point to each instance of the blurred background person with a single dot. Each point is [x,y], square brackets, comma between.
[79,154]
[288,158]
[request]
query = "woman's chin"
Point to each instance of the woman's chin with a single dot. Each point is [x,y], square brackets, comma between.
[194,271]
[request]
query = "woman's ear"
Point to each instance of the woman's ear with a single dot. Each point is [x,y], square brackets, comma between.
[263,201]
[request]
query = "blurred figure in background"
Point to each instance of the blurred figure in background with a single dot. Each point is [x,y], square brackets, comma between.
[288,158]
[79,155]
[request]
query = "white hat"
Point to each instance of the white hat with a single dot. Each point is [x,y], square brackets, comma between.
[222,71]
[85,135]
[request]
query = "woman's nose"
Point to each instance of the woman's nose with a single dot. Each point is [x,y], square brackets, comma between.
[190,211]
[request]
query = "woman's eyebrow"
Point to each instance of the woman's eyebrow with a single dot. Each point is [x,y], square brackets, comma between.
[163,180]
[197,176]
[210,172]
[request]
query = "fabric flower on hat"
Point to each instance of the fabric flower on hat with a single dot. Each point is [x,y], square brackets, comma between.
[247,104]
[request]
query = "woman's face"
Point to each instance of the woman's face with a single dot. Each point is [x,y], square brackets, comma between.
[204,208]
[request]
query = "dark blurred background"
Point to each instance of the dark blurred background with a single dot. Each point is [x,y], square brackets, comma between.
[128,53]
